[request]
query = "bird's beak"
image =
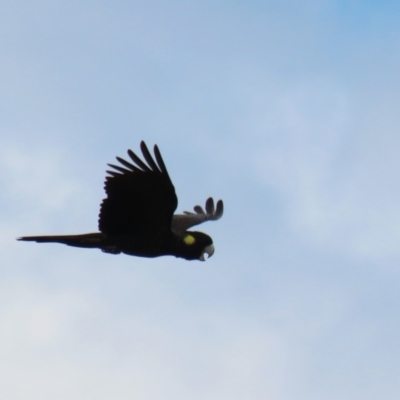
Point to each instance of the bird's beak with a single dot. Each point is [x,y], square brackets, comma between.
[209,250]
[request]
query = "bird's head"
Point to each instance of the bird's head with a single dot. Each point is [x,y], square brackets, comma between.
[194,246]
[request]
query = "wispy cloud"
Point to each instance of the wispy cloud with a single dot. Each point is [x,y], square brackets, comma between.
[289,112]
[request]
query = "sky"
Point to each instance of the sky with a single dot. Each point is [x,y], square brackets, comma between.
[286,110]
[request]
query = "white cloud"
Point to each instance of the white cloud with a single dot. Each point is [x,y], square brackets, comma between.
[331,194]
[64,344]
[240,86]
[36,175]
[71,341]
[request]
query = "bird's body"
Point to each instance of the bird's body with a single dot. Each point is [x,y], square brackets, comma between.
[137,216]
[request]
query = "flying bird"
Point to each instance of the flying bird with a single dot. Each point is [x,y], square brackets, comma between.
[137,216]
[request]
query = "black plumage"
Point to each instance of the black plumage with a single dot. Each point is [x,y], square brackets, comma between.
[137,216]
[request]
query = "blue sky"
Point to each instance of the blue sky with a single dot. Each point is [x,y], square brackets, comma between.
[286,110]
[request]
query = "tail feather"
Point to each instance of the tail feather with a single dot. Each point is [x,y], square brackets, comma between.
[88,240]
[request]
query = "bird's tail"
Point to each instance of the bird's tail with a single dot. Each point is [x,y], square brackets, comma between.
[87,240]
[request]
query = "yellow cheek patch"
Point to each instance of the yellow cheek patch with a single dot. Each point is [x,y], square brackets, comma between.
[189,239]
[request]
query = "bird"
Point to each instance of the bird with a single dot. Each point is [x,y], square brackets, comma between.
[137,216]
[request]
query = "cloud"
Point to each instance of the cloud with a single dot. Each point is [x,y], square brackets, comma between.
[69,343]
[312,154]
[284,113]
[37,175]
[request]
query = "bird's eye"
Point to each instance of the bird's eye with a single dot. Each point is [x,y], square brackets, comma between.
[189,239]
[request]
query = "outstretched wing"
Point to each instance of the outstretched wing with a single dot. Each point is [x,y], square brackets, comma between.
[182,222]
[140,197]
